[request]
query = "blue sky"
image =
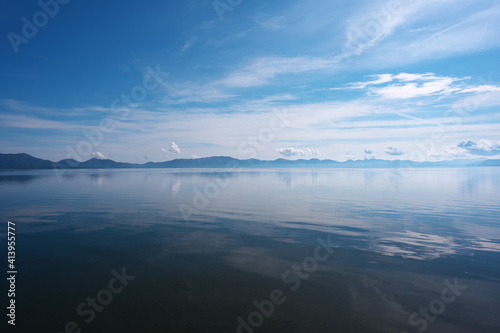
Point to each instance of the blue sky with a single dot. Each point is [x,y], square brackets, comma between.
[157,80]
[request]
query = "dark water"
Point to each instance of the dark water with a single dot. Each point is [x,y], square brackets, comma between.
[341,250]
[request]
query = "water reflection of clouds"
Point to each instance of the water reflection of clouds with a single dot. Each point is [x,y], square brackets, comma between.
[98,178]
[298,178]
[176,186]
[171,184]
[432,215]
[485,244]
[370,177]
[420,246]
[473,182]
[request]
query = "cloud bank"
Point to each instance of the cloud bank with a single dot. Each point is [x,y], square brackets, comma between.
[294,152]
[481,148]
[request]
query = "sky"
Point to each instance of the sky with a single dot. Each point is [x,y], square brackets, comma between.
[139,81]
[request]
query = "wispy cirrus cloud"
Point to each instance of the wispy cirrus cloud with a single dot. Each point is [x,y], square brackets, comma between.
[371,28]
[414,85]
[189,92]
[31,122]
[271,23]
[462,28]
[376,22]
[188,45]
[261,70]
[258,72]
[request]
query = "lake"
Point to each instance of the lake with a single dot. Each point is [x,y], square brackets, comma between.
[255,250]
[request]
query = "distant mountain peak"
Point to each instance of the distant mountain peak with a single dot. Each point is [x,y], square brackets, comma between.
[26,161]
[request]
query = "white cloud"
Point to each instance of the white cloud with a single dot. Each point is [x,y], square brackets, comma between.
[98,155]
[379,79]
[294,152]
[368,151]
[482,89]
[174,148]
[393,151]
[439,86]
[375,22]
[411,85]
[482,148]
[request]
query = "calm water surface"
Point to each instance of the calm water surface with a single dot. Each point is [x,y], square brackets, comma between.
[338,250]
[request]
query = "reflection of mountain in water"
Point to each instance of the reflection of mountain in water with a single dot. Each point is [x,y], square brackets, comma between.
[21,179]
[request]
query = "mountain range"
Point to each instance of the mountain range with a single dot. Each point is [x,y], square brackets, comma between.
[25,161]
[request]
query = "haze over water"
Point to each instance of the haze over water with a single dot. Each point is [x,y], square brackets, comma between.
[395,241]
